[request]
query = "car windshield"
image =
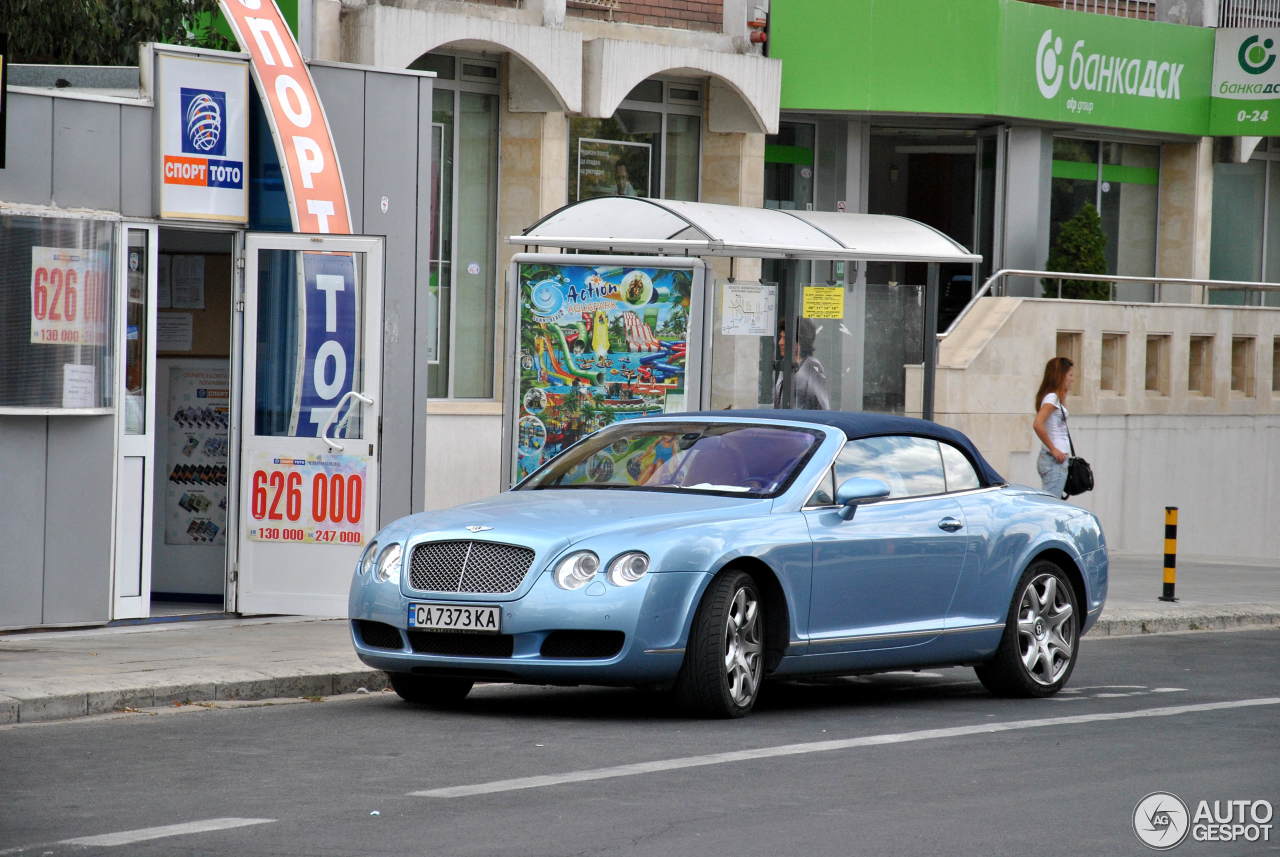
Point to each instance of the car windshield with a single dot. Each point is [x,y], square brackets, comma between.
[726,458]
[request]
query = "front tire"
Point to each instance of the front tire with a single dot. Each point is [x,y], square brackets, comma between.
[724,661]
[431,691]
[1041,636]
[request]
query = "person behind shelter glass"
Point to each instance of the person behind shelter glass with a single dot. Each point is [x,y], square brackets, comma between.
[809,378]
[1051,424]
[622,182]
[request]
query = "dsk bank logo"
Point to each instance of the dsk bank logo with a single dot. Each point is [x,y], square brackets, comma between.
[1256,56]
[1086,71]
[202,120]
[1048,69]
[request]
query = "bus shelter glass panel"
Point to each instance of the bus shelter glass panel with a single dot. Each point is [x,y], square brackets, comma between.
[818,341]
[745,363]
[895,334]
[854,346]
[310,318]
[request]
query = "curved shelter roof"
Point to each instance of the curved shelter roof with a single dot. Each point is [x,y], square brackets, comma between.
[626,224]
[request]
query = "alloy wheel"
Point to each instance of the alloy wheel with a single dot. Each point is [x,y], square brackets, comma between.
[1046,629]
[744,644]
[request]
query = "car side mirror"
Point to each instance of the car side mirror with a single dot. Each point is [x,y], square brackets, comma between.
[858,490]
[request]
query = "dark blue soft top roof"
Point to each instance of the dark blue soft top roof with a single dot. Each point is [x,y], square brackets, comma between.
[856,424]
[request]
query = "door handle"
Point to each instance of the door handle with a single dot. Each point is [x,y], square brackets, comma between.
[333,415]
[949,524]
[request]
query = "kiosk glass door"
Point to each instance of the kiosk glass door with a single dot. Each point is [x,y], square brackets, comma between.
[309,417]
[135,498]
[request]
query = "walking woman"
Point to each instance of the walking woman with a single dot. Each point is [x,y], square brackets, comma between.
[1051,424]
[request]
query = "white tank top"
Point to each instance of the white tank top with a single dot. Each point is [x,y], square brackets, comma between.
[1056,425]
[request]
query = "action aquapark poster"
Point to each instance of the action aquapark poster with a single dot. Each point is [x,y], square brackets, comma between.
[597,344]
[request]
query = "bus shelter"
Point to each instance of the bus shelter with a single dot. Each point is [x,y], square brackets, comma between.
[653,305]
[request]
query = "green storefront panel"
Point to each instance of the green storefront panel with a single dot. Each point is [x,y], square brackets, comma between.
[993,57]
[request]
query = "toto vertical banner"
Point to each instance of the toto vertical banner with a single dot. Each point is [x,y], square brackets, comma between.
[1246,82]
[202,105]
[329,359]
[312,176]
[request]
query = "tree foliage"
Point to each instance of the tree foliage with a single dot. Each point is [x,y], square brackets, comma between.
[1080,247]
[104,32]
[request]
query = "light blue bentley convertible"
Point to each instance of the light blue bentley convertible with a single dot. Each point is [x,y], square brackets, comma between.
[706,552]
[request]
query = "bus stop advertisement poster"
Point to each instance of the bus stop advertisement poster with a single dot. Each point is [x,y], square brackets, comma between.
[598,344]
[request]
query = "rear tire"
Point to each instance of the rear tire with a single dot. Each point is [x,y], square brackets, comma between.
[432,691]
[724,660]
[1041,636]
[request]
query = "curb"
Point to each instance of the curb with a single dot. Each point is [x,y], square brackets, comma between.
[37,709]
[64,706]
[1158,624]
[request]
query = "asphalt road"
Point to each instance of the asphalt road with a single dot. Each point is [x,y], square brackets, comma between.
[896,764]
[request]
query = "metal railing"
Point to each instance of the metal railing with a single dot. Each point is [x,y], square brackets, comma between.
[990,287]
[1249,13]
[1145,9]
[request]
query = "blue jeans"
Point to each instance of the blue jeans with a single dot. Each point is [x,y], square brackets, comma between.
[1053,476]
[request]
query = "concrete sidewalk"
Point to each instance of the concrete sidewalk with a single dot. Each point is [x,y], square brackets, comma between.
[52,675]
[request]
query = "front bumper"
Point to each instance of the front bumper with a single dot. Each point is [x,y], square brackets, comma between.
[601,634]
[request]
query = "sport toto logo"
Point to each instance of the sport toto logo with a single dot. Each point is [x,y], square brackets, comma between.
[203,113]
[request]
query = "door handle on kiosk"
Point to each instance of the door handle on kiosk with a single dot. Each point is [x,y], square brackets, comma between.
[333,415]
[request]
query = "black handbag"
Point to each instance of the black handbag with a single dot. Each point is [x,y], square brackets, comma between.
[1079,473]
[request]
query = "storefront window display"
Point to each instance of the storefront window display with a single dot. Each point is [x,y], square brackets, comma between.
[1246,224]
[464,196]
[1121,180]
[649,147]
[56,313]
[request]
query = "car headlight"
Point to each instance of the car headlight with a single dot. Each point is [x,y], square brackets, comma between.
[627,568]
[365,563]
[577,570]
[388,568]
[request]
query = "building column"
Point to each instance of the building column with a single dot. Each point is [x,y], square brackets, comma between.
[533,181]
[1028,172]
[1186,217]
[327,30]
[732,174]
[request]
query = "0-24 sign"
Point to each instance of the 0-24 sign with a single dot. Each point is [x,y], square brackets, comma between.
[315,500]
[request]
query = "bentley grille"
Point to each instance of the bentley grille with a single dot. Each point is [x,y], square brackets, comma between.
[483,568]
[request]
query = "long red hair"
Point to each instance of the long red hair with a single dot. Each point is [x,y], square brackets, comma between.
[1055,379]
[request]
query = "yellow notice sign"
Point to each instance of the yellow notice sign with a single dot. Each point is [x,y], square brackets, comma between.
[823,302]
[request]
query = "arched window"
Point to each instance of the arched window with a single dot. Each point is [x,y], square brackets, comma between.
[649,147]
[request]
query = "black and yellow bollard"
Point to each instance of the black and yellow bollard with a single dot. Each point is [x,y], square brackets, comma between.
[1170,552]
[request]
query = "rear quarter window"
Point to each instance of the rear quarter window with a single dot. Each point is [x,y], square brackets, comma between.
[960,473]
